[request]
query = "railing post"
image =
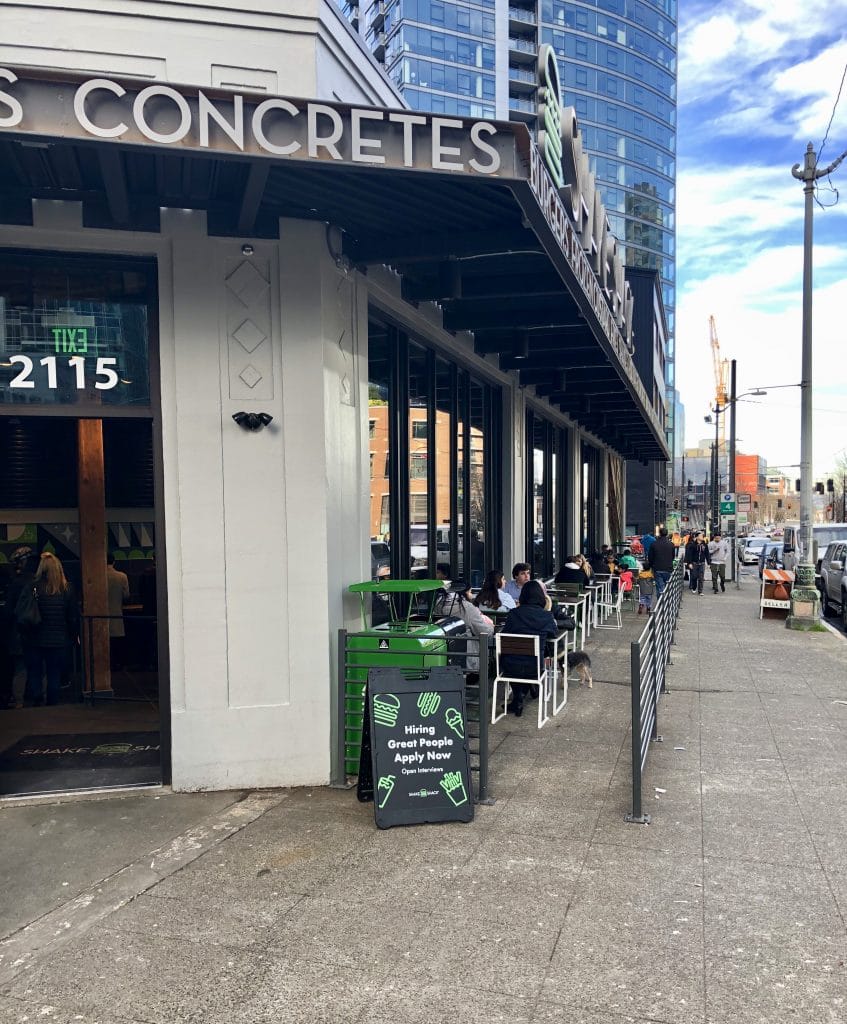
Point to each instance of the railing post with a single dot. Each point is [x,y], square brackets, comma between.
[484,647]
[338,769]
[636,816]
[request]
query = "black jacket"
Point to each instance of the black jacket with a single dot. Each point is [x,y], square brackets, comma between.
[568,574]
[59,618]
[661,555]
[696,553]
[10,632]
[528,620]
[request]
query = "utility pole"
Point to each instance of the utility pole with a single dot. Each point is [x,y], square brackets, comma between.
[731,485]
[805,604]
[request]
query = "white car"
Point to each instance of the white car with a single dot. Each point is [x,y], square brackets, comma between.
[749,553]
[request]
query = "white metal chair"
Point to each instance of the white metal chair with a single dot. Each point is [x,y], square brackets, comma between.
[527,647]
[610,611]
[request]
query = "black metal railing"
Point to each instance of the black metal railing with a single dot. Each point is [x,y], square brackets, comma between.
[650,656]
[414,654]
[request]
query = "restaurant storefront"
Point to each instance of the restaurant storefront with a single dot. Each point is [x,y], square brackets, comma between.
[371,334]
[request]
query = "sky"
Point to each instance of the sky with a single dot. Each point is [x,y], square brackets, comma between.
[758,81]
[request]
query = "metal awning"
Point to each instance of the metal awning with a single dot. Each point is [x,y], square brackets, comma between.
[480,245]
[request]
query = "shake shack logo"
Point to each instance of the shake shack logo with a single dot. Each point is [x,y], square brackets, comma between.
[101,750]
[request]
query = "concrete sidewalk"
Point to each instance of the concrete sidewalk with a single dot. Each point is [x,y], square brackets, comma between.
[292,907]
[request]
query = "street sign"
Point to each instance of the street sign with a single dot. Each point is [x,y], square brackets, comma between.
[743,518]
[744,502]
[728,504]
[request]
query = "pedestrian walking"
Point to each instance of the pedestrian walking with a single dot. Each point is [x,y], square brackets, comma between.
[719,554]
[697,557]
[660,559]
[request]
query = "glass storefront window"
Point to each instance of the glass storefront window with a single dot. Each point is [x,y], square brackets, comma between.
[440,462]
[476,555]
[379,438]
[74,332]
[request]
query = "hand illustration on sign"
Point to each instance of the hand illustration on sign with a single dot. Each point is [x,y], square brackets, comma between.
[453,786]
[386,707]
[453,718]
[384,788]
[429,703]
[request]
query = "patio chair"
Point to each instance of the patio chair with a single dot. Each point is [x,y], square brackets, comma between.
[525,646]
[610,611]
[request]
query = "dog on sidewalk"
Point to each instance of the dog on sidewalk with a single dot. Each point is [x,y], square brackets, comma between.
[580,661]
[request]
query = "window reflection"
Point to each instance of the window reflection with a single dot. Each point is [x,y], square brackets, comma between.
[476,557]
[379,370]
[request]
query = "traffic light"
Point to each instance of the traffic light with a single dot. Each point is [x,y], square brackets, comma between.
[690,485]
[797,486]
[830,486]
[819,487]
[779,502]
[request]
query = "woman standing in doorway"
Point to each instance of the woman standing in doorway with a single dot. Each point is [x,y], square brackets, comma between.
[59,628]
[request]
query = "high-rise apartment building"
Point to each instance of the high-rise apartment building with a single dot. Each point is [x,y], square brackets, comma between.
[617,65]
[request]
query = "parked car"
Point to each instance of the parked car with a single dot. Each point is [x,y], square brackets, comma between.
[833,582]
[380,557]
[748,552]
[770,557]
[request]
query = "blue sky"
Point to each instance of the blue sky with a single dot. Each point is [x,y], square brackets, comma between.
[758,80]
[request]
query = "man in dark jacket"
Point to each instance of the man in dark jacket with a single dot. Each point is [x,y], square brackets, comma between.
[697,557]
[660,558]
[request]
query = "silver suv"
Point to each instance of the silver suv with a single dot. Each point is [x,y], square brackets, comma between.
[834,580]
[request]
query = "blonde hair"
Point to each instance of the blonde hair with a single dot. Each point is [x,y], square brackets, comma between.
[50,569]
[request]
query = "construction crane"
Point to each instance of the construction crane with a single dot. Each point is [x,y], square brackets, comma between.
[721,370]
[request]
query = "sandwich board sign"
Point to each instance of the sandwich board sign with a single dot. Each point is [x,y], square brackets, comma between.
[728,504]
[420,758]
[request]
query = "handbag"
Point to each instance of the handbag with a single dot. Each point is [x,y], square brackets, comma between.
[27,612]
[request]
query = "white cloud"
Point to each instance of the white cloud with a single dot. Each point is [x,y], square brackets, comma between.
[758,318]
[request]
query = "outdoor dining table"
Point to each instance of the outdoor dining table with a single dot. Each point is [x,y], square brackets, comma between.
[579,608]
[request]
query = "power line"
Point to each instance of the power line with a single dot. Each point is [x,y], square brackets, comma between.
[832,187]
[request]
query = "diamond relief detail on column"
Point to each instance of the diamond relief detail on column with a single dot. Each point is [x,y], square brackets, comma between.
[247,283]
[249,336]
[250,375]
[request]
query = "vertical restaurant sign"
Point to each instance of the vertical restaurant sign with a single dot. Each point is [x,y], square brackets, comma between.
[419,747]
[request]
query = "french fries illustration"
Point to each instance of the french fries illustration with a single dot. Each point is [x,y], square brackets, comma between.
[453,718]
[453,786]
[428,704]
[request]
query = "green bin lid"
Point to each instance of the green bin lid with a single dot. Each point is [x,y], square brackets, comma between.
[386,586]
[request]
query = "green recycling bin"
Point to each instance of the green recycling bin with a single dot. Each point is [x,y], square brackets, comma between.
[414,640]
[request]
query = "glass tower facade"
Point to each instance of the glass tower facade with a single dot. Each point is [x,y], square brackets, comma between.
[617,65]
[440,55]
[617,61]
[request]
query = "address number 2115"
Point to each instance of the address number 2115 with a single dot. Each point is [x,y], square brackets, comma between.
[105,377]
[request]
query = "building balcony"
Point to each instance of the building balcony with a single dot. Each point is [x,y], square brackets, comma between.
[376,41]
[522,110]
[522,80]
[524,51]
[522,17]
[376,16]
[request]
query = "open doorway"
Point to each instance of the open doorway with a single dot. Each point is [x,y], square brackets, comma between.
[81,696]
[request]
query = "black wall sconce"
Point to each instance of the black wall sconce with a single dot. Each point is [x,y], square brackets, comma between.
[252,420]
